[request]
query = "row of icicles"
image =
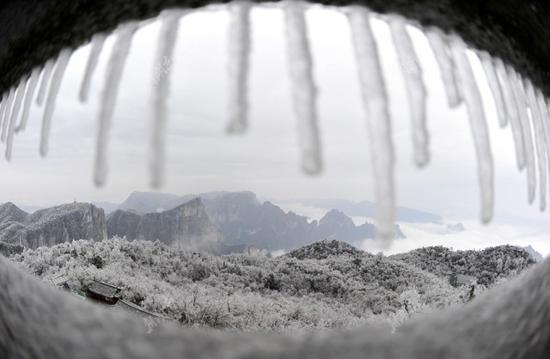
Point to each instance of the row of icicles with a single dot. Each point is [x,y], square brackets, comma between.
[517,102]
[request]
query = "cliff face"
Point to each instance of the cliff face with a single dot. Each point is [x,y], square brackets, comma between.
[65,223]
[243,220]
[51,226]
[186,226]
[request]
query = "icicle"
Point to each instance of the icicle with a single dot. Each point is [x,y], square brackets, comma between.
[521,101]
[14,116]
[3,108]
[416,90]
[55,84]
[165,53]
[478,126]
[545,120]
[109,94]
[7,114]
[304,91]
[238,65]
[29,95]
[375,101]
[494,85]
[512,110]
[46,74]
[95,51]
[540,142]
[446,64]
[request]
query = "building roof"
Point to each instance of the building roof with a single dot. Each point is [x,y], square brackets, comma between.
[104,289]
[133,308]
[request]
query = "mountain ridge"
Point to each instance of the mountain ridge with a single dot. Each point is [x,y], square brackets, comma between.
[245,220]
[187,225]
[52,225]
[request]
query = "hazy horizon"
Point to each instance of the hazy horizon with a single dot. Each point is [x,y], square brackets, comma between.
[475,235]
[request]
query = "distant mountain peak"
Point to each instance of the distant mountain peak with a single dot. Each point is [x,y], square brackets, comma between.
[336,218]
[368,209]
[10,212]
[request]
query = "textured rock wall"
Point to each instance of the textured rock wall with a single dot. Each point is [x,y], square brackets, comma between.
[187,226]
[51,226]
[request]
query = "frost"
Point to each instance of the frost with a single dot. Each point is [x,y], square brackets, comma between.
[165,52]
[375,101]
[416,90]
[113,74]
[478,126]
[95,51]
[238,65]
[304,91]
[29,95]
[57,77]
[494,85]
[442,54]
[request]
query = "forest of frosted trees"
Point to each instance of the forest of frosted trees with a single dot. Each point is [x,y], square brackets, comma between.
[328,284]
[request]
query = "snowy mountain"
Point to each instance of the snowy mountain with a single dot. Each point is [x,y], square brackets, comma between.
[51,226]
[187,226]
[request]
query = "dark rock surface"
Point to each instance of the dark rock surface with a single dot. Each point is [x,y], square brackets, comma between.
[51,226]
[187,225]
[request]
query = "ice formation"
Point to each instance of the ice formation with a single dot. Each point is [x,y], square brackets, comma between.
[95,51]
[55,84]
[517,101]
[238,65]
[27,102]
[511,104]
[526,130]
[304,90]
[478,126]
[161,80]
[2,108]
[416,90]
[13,117]
[46,74]
[496,88]
[109,94]
[6,115]
[540,142]
[375,102]
[446,64]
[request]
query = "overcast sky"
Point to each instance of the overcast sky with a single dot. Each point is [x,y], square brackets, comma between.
[202,158]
